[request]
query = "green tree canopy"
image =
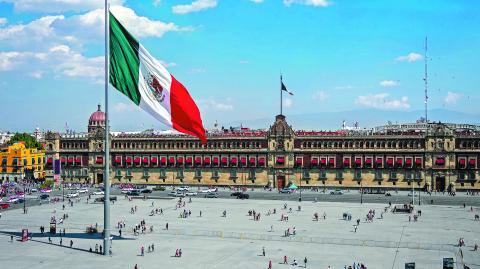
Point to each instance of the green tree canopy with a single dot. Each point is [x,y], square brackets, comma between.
[30,141]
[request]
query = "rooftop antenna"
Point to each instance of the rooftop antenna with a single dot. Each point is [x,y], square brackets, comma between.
[425,79]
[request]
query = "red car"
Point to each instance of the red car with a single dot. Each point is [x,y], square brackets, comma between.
[4,205]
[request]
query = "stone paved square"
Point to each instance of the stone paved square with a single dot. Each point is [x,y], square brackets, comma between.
[236,241]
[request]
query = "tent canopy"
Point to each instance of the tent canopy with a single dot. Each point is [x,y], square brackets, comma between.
[293,187]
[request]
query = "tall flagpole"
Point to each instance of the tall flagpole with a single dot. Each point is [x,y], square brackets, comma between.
[106,176]
[281,94]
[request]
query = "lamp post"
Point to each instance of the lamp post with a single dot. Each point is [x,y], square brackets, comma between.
[361,192]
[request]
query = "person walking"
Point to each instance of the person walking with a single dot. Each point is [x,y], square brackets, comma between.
[142,251]
[166,226]
[305,262]
[263,251]
[71,243]
[136,266]
[269,264]
[285,261]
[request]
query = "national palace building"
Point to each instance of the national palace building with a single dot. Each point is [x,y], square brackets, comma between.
[436,156]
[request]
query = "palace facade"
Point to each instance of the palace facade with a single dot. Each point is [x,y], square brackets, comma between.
[436,156]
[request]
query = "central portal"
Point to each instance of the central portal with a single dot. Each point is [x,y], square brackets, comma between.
[280,181]
[440,183]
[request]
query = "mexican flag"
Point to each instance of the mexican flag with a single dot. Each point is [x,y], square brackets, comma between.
[145,81]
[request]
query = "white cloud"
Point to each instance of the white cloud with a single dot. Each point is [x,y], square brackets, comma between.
[315,3]
[411,57]
[197,70]
[320,96]
[55,6]
[287,102]
[381,101]
[215,105]
[36,74]
[452,98]
[167,64]
[157,3]
[256,1]
[3,21]
[389,83]
[37,33]
[53,43]
[10,60]
[195,6]
[60,60]
[122,107]
[90,24]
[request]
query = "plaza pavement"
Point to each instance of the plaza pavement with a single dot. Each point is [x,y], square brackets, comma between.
[212,241]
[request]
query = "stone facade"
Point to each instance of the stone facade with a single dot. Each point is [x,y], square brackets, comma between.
[430,155]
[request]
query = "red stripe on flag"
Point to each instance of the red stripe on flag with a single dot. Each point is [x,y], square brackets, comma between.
[185,114]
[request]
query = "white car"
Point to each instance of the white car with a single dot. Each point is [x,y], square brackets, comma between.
[190,193]
[72,195]
[126,190]
[208,190]
[186,188]
[33,190]
[98,193]
[82,191]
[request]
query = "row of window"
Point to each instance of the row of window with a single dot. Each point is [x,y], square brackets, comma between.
[18,162]
[190,161]
[370,144]
[357,175]
[173,145]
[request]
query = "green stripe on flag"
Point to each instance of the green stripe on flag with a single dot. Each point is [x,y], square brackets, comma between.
[124,61]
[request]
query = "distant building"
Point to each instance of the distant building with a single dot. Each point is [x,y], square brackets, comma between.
[5,137]
[19,162]
[434,156]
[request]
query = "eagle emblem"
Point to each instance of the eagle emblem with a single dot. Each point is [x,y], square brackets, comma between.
[156,88]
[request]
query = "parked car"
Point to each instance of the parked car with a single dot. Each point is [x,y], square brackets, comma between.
[237,193]
[211,195]
[243,196]
[34,190]
[4,205]
[208,190]
[72,195]
[191,193]
[285,190]
[183,188]
[146,191]
[98,193]
[134,192]
[179,194]
[84,190]
[44,196]
[101,199]
[336,192]
[159,188]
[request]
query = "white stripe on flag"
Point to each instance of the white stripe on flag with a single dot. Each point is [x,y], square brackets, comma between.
[157,106]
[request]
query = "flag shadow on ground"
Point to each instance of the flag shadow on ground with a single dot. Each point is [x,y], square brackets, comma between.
[67,235]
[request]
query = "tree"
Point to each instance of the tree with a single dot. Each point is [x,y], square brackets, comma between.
[30,141]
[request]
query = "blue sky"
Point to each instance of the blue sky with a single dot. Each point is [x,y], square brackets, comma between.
[334,55]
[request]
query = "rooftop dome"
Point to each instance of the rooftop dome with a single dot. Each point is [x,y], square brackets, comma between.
[97,120]
[98,115]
